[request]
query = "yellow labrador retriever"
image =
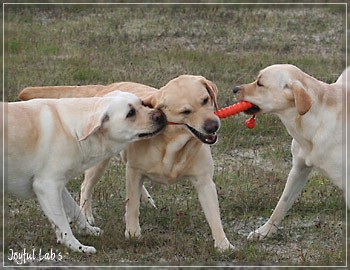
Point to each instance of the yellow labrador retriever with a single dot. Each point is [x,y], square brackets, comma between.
[181,151]
[51,141]
[311,110]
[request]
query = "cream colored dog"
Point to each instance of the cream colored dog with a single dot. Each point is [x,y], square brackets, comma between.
[51,141]
[311,110]
[181,151]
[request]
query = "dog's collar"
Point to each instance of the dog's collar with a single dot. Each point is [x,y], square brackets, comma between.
[174,123]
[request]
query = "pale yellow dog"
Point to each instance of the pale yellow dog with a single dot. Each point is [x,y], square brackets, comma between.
[50,141]
[180,152]
[312,112]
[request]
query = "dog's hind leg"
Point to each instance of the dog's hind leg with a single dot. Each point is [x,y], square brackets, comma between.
[147,198]
[92,175]
[296,181]
[75,215]
[49,193]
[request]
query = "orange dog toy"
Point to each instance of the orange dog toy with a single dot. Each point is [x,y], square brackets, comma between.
[237,108]
[233,109]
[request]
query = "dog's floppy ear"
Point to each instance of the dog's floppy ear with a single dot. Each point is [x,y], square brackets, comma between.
[212,90]
[302,99]
[153,100]
[94,123]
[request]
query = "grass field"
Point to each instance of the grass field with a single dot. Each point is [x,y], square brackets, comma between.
[229,44]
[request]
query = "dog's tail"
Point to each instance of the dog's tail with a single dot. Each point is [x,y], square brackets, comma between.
[60,91]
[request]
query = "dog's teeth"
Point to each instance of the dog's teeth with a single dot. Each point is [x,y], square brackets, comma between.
[210,139]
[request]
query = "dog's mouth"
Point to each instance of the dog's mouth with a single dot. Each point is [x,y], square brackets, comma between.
[151,134]
[253,110]
[207,139]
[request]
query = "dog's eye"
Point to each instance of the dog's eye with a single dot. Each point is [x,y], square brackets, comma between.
[186,112]
[131,113]
[205,101]
[258,83]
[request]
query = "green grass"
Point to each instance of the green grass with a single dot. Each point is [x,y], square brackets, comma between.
[101,44]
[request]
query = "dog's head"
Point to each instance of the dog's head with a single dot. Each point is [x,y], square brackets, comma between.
[277,88]
[190,100]
[121,117]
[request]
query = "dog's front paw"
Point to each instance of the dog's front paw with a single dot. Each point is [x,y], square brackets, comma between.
[87,249]
[263,232]
[72,243]
[96,231]
[224,245]
[133,233]
[89,230]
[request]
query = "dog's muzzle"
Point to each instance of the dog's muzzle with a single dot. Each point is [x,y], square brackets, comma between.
[253,110]
[159,120]
[210,127]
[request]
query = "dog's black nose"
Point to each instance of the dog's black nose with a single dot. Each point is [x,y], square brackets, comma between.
[211,126]
[236,89]
[159,117]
